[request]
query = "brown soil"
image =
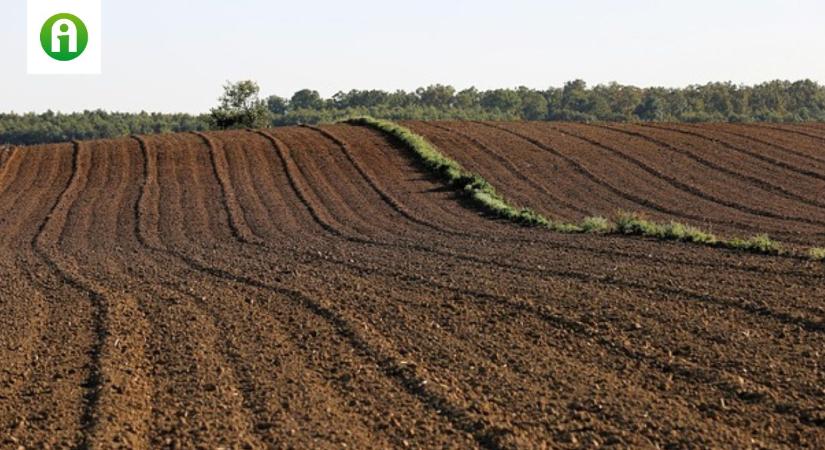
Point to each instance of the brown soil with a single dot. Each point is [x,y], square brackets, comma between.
[313,288]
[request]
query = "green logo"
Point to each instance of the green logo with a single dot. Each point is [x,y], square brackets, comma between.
[64,37]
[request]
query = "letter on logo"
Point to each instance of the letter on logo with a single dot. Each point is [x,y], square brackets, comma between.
[64,28]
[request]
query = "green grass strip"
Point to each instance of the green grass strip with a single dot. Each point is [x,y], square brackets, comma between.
[476,188]
[485,197]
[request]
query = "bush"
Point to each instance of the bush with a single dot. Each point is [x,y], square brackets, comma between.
[686,233]
[596,225]
[757,244]
[636,224]
[817,254]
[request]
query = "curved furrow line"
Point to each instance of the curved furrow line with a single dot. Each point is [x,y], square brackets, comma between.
[412,383]
[217,375]
[768,159]
[550,312]
[5,154]
[317,165]
[775,145]
[290,366]
[791,130]
[322,219]
[388,198]
[508,164]
[419,247]
[145,217]
[11,178]
[641,201]
[748,306]
[723,381]
[27,315]
[146,211]
[323,172]
[811,126]
[305,302]
[340,232]
[237,216]
[114,321]
[247,191]
[693,190]
[610,280]
[224,273]
[374,348]
[124,406]
[48,236]
[751,307]
[275,193]
[758,182]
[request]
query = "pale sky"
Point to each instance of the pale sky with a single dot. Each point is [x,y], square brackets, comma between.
[173,56]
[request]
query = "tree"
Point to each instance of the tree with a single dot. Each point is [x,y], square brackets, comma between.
[277,105]
[306,99]
[468,98]
[533,106]
[651,108]
[575,96]
[505,100]
[240,107]
[438,95]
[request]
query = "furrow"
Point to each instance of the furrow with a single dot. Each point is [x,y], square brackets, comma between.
[511,167]
[388,198]
[738,149]
[693,190]
[758,182]
[641,201]
[237,216]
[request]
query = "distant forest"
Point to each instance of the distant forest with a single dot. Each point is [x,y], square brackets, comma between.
[774,101]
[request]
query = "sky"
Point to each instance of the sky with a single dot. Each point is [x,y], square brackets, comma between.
[174,56]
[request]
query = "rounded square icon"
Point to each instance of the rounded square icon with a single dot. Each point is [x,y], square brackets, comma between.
[64,36]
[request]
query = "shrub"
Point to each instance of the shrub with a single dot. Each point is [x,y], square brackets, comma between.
[636,224]
[686,233]
[817,254]
[757,244]
[597,224]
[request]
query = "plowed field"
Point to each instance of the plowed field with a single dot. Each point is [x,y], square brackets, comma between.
[315,288]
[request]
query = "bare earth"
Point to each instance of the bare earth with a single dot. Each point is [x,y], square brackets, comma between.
[314,288]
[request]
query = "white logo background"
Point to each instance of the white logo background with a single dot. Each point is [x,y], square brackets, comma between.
[39,11]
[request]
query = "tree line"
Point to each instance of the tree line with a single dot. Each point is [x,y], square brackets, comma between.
[29,129]
[242,106]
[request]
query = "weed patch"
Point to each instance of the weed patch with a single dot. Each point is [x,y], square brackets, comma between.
[817,254]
